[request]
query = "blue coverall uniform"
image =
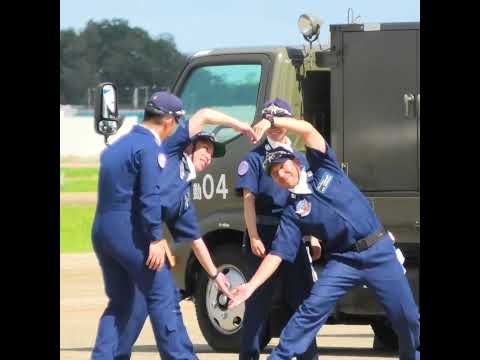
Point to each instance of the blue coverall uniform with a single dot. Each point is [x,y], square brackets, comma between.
[339,214]
[128,217]
[180,216]
[270,199]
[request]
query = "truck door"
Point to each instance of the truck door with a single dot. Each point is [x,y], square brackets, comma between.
[381,108]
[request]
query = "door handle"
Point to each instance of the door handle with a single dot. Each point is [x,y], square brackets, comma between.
[407,100]
[418,105]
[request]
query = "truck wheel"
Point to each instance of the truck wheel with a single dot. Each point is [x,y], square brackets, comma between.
[220,326]
[385,337]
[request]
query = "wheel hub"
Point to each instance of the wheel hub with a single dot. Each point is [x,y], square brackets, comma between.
[223,300]
[225,321]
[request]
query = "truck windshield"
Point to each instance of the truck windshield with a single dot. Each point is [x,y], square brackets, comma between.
[232,89]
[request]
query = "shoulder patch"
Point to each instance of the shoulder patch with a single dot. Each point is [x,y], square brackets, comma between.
[243,168]
[162,160]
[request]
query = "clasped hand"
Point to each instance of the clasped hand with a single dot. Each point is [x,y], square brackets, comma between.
[260,128]
[240,294]
[247,130]
[236,296]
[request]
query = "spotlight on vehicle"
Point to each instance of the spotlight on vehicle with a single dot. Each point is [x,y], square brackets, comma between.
[309,26]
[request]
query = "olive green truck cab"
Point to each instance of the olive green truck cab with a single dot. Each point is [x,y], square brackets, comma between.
[363,95]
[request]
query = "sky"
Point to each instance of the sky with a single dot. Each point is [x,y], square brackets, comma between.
[204,24]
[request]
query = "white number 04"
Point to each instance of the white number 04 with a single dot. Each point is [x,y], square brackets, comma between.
[208,187]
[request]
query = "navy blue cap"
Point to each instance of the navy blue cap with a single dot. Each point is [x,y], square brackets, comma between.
[277,107]
[276,156]
[166,103]
[218,148]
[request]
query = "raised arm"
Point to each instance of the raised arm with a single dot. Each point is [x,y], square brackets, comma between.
[311,137]
[208,116]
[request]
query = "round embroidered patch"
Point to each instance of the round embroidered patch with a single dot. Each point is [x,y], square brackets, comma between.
[162,160]
[243,168]
[303,208]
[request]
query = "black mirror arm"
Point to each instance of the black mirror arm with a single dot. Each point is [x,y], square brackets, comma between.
[119,120]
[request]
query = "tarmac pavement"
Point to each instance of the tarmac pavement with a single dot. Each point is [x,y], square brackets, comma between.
[82,301]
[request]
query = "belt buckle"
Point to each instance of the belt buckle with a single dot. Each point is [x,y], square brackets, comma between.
[356,247]
[360,245]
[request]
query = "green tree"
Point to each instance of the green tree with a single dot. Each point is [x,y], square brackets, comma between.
[111,50]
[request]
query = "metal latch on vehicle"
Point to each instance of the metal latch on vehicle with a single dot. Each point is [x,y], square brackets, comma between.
[408,99]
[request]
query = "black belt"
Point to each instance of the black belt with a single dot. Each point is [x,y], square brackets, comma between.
[268,220]
[366,242]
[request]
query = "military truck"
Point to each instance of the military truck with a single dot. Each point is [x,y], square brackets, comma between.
[363,94]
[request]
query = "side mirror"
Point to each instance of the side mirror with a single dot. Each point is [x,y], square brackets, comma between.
[107,121]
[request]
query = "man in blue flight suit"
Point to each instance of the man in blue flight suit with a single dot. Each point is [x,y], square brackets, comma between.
[187,151]
[128,240]
[330,207]
[263,205]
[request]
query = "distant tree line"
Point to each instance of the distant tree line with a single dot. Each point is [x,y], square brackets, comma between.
[111,50]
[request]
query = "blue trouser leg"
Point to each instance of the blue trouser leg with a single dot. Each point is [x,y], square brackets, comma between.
[257,307]
[161,296]
[380,270]
[338,276]
[135,324]
[133,327]
[183,337]
[393,291]
[254,324]
[119,289]
[298,284]
[157,287]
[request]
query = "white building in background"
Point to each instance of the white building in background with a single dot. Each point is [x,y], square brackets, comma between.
[78,137]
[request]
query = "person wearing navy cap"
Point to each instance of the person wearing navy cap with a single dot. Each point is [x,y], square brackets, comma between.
[127,231]
[359,250]
[263,205]
[185,152]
